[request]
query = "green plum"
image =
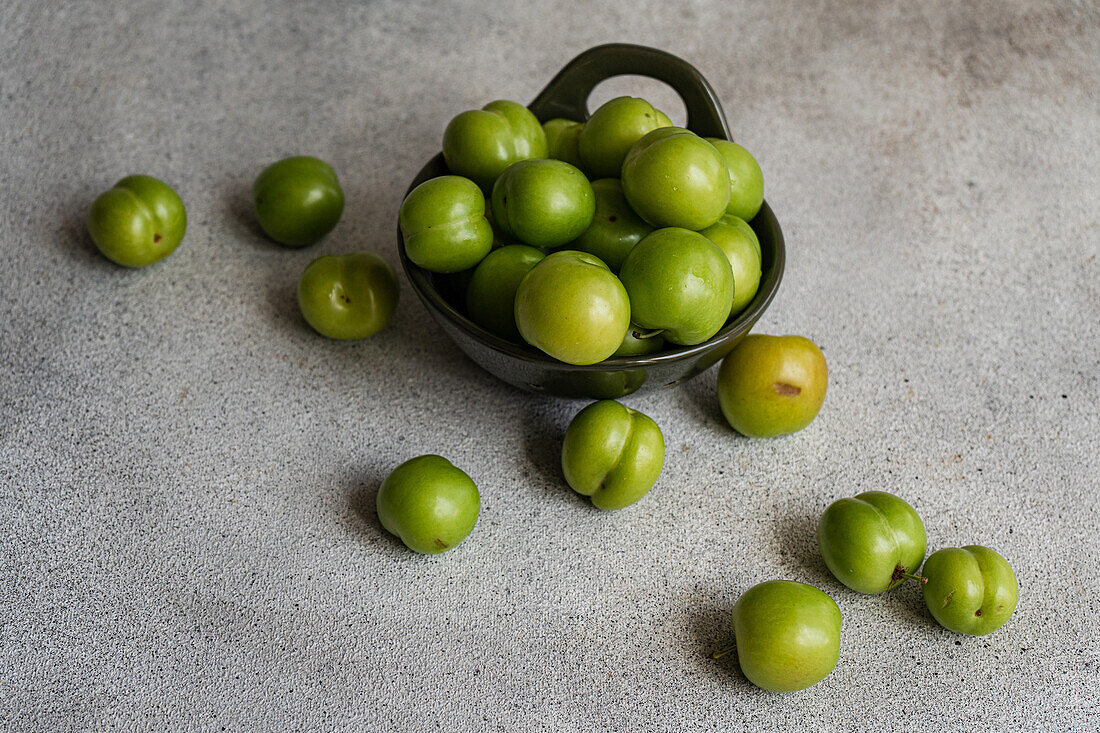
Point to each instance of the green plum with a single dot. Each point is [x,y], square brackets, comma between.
[615,228]
[787,635]
[612,129]
[674,178]
[444,225]
[746,179]
[298,200]
[499,238]
[562,139]
[772,385]
[543,203]
[491,293]
[612,454]
[746,229]
[348,296]
[970,590]
[637,344]
[871,542]
[739,243]
[138,222]
[573,308]
[480,143]
[430,504]
[678,282]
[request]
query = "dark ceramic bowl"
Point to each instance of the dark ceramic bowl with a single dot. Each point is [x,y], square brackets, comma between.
[525,366]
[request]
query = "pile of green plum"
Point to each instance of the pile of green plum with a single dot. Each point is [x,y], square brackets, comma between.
[787,633]
[298,201]
[588,240]
[611,454]
[768,385]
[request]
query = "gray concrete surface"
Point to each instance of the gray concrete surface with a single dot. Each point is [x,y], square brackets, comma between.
[187,472]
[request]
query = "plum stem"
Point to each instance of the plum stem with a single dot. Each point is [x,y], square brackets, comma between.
[723,651]
[900,572]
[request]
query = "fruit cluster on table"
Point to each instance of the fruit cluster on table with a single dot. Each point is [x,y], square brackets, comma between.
[587,240]
[787,633]
[614,236]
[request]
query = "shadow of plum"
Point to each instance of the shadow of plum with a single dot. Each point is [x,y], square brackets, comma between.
[709,628]
[362,501]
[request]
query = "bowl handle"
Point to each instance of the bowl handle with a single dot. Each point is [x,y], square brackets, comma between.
[567,93]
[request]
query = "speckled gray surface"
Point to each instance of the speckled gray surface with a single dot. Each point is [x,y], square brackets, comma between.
[187,472]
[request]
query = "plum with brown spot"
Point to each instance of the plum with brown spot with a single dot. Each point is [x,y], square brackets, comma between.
[137,222]
[970,590]
[772,385]
[430,503]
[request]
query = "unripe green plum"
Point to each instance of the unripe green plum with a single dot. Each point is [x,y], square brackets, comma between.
[573,308]
[772,385]
[612,129]
[636,345]
[444,226]
[348,296]
[788,635]
[746,179]
[615,228]
[430,504]
[739,243]
[745,228]
[612,454]
[543,203]
[871,542]
[678,282]
[562,139]
[970,590]
[137,222]
[480,143]
[500,239]
[298,200]
[491,292]
[674,178]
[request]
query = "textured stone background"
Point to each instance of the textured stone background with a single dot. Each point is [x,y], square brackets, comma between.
[187,472]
